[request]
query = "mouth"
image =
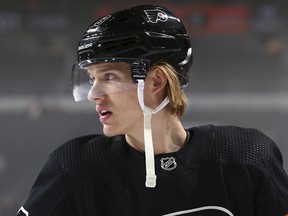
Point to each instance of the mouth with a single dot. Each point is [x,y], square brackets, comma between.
[104,115]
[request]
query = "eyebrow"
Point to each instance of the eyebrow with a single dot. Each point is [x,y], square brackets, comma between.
[100,69]
[105,67]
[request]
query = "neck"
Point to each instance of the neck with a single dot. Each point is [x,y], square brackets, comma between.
[168,134]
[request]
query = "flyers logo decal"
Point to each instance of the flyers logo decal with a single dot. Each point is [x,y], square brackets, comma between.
[156,15]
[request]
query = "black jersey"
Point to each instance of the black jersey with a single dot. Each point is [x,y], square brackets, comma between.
[221,171]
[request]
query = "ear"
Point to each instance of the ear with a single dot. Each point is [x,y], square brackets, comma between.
[157,80]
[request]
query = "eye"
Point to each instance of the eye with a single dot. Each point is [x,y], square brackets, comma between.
[110,76]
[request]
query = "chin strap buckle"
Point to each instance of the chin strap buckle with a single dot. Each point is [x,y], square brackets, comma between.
[151,181]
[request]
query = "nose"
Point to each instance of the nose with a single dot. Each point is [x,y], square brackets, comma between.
[96,92]
[95,98]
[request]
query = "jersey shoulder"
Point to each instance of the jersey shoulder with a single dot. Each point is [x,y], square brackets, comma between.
[248,146]
[88,158]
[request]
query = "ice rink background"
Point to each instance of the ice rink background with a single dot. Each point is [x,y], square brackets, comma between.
[239,76]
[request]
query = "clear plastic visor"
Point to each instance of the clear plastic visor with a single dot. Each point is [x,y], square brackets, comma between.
[101,77]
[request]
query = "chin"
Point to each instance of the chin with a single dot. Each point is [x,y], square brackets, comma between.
[109,131]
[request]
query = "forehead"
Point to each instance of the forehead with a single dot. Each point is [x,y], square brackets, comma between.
[109,66]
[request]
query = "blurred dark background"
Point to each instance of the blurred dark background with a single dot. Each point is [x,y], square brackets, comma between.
[239,76]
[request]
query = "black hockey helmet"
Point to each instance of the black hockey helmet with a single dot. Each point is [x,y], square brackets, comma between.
[146,32]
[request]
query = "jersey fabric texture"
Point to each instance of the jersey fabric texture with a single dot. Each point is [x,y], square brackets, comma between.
[221,171]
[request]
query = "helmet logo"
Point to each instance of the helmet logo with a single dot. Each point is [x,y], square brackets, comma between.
[168,163]
[156,15]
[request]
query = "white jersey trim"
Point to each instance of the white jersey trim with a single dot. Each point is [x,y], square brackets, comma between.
[23,211]
[201,209]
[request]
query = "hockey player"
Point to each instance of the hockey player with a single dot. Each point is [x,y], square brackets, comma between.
[133,64]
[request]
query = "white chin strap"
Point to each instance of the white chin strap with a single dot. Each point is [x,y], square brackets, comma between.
[149,150]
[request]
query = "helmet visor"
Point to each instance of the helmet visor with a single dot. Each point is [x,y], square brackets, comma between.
[99,77]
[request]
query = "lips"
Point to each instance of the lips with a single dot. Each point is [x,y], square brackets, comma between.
[104,113]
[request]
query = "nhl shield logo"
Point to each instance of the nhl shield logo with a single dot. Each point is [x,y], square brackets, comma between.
[156,15]
[168,163]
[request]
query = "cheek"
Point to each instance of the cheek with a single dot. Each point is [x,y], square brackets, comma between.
[128,101]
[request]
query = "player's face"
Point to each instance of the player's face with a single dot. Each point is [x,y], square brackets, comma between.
[115,95]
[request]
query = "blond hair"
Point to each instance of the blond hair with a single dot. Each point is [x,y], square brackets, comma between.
[178,100]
